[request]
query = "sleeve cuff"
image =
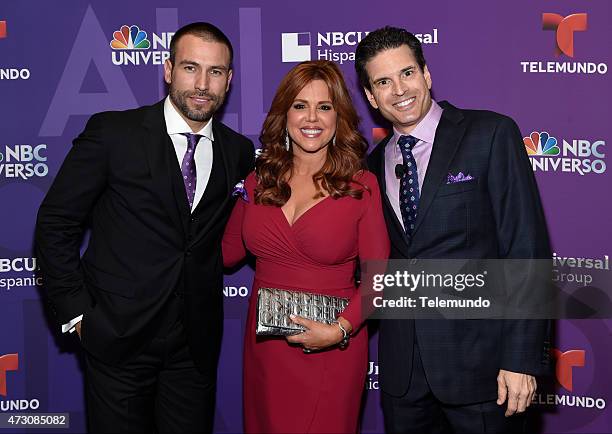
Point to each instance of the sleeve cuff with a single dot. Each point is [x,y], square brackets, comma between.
[70,326]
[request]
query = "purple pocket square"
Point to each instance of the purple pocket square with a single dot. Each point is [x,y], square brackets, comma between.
[460,177]
[239,190]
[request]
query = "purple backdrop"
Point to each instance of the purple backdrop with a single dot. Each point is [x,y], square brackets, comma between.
[57,68]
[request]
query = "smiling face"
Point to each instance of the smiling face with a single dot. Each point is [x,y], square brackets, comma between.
[199,79]
[400,89]
[311,119]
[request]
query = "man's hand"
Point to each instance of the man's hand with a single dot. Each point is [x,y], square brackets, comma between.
[77,327]
[517,388]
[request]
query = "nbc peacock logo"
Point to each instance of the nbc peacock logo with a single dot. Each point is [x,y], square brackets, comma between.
[130,38]
[541,144]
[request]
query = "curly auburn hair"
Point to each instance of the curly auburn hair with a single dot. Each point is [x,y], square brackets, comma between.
[345,158]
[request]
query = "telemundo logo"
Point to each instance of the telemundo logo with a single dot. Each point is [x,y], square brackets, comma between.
[14,74]
[564,29]
[235,291]
[566,362]
[24,161]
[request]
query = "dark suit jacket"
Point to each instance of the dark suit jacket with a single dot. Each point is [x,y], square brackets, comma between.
[496,215]
[122,175]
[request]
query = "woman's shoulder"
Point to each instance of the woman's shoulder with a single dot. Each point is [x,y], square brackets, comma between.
[366,178]
[250,181]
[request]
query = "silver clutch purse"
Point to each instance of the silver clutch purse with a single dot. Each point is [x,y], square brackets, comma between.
[275,305]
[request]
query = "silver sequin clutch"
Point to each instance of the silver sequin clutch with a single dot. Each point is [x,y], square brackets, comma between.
[275,305]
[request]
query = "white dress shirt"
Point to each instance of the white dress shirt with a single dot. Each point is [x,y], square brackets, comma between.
[176,126]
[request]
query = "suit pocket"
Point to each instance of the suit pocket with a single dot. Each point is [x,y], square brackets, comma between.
[456,188]
[108,282]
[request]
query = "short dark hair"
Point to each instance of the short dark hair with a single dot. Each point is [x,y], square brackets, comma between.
[385,39]
[206,31]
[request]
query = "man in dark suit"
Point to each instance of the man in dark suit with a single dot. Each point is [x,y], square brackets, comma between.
[456,184]
[155,183]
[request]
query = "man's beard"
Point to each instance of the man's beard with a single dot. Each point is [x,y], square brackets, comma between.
[180,98]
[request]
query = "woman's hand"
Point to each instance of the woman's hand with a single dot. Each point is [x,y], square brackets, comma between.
[317,334]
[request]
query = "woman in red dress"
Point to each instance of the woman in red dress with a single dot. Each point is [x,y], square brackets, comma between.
[308,214]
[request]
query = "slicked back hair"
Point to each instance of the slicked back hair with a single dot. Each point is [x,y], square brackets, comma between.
[384,39]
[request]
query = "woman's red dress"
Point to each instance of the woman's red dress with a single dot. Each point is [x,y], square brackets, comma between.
[285,390]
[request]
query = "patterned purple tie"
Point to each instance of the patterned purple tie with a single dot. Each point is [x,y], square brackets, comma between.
[409,188]
[188,168]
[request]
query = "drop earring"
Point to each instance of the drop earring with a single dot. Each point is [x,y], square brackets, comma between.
[287,140]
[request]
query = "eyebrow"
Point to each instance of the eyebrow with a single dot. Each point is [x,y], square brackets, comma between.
[320,102]
[193,62]
[407,68]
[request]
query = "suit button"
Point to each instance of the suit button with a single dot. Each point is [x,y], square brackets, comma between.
[188,253]
[414,261]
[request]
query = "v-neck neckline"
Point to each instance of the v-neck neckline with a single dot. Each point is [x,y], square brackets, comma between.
[291,225]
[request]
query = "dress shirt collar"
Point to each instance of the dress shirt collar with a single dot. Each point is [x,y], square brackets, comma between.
[175,124]
[425,130]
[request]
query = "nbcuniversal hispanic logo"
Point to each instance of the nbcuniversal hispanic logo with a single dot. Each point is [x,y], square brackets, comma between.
[131,46]
[576,156]
[566,362]
[19,273]
[564,30]
[372,376]
[338,47]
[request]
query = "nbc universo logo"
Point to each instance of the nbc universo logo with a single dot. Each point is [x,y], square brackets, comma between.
[295,47]
[564,28]
[131,46]
[130,38]
[575,156]
[8,362]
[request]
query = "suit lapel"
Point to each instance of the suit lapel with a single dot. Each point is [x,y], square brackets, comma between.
[159,149]
[446,142]
[397,234]
[226,147]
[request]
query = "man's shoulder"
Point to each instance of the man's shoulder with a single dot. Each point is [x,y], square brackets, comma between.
[227,133]
[113,119]
[474,116]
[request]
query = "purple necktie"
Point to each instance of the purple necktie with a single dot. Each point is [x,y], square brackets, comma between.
[188,168]
[409,188]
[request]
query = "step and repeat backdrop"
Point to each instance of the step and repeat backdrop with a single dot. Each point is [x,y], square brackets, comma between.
[543,63]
